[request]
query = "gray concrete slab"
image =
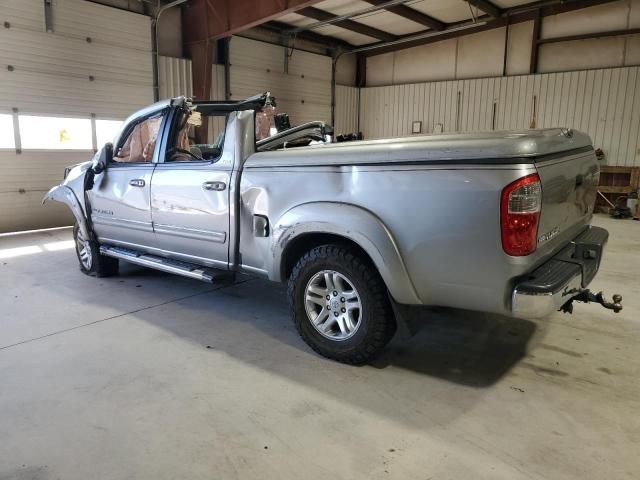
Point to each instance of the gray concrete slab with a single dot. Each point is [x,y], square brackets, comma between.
[147,375]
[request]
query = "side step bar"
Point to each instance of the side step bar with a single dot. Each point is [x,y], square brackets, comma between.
[177,267]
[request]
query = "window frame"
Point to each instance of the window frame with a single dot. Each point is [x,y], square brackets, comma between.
[127,130]
[171,134]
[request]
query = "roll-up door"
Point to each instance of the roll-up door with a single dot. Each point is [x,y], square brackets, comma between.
[64,71]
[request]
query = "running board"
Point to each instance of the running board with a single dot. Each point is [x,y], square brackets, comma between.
[177,267]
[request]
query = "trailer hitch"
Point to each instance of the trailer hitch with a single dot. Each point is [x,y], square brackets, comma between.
[585,295]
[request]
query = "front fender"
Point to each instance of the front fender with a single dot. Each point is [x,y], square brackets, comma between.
[65,194]
[353,223]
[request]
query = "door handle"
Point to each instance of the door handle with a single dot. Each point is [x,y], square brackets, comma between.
[136,182]
[215,186]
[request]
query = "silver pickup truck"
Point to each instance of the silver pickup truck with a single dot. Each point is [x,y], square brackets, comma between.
[496,222]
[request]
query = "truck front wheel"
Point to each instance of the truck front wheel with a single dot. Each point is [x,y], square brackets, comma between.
[339,304]
[92,263]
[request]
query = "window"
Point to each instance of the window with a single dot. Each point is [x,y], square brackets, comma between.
[141,142]
[192,142]
[55,133]
[6,131]
[106,131]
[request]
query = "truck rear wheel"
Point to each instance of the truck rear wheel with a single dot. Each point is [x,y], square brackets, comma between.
[91,262]
[340,305]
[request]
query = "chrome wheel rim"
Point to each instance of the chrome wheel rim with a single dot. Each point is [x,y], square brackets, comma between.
[333,305]
[84,250]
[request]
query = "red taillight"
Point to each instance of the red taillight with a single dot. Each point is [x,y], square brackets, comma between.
[520,214]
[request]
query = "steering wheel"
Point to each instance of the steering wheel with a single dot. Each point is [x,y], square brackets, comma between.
[175,150]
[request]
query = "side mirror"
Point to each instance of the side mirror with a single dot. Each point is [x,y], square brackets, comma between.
[103,158]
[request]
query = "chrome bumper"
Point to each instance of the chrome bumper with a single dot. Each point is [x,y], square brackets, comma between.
[539,305]
[549,287]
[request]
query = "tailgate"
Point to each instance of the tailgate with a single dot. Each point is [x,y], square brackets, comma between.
[569,189]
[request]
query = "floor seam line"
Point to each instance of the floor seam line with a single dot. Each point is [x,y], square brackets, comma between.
[120,315]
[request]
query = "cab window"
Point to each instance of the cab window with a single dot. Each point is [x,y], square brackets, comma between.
[196,137]
[141,142]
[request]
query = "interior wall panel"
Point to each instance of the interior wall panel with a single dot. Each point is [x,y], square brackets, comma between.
[25,178]
[304,92]
[604,103]
[175,77]
[96,60]
[218,92]
[346,115]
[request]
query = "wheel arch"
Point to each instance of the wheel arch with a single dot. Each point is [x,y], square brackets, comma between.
[64,194]
[308,225]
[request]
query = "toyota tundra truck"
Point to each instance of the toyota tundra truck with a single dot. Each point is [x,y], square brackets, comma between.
[494,222]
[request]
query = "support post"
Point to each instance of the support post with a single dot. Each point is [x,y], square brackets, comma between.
[334,63]
[17,140]
[361,70]
[535,47]
[94,133]
[227,69]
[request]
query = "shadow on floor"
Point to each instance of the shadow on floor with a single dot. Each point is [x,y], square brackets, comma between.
[468,348]
[463,347]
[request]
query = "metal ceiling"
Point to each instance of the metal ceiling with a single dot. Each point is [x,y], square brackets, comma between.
[378,26]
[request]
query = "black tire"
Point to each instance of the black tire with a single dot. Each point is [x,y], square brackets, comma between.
[97,265]
[376,324]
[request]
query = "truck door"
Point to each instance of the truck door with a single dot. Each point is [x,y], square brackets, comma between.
[120,197]
[190,192]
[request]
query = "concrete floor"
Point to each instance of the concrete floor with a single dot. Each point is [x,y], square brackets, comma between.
[150,376]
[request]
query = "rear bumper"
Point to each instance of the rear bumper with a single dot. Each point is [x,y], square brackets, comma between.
[558,280]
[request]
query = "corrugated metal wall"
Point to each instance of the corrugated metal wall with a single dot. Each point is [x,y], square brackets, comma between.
[174,75]
[604,103]
[346,114]
[217,124]
[304,92]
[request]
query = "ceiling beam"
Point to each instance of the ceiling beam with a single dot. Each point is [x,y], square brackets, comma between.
[207,20]
[412,14]
[331,43]
[589,36]
[361,28]
[487,7]
[511,16]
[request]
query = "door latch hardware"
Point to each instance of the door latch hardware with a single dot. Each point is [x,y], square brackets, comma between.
[215,186]
[260,226]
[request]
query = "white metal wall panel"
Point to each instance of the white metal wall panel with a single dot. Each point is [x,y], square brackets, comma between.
[307,64]
[346,114]
[304,93]
[217,124]
[244,52]
[97,60]
[24,181]
[604,103]
[174,77]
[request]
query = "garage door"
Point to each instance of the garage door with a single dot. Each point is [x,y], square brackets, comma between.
[300,81]
[68,76]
